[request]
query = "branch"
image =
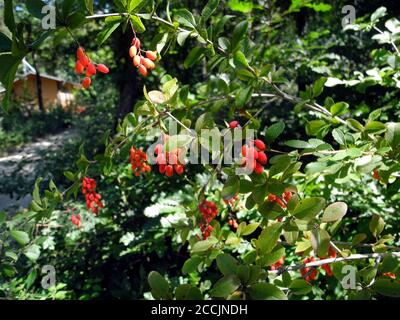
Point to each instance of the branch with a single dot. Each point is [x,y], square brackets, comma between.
[333,260]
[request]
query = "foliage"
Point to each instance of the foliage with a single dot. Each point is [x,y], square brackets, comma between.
[330,189]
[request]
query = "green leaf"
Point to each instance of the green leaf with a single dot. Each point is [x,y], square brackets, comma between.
[393,134]
[379,13]
[182,36]
[227,264]
[138,24]
[266,291]
[238,33]
[297,144]
[308,208]
[376,225]
[195,55]
[334,212]
[106,33]
[269,237]
[339,108]
[387,287]
[186,18]
[243,96]
[374,127]
[300,287]
[32,252]
[250,228]
[188,292]
[241,5]
[20,236]
[209,9]
[339,136]
[89,6]
[35,8]
[159,286]
[240,60]
[8,68]
[319,86]
[191,265]
[9,15]
[204,245]
[320,241]
[355,125]
[225,286]
[231,187]
[389,264]
[135,5]
[5,43]
[274,131]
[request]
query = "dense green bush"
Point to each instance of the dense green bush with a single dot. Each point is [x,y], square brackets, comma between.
[322,97]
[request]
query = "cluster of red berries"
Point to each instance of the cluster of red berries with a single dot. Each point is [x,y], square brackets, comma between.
[311,273]
[331,254]
[233,223]
[376,175]
[231,201]
[282,202]
[168,162]
[138,160]
[93,199]
[254,156]
[84,63]
[209,211]
[76,220]
[142,63]
[278,264]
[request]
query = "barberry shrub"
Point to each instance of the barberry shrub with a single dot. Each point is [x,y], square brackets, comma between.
[274,232]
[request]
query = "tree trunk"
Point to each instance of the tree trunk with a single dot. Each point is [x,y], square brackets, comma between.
[39,92]
[129,83]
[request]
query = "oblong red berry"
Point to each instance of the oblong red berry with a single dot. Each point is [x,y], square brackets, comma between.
[79,68]
[152,55]
[103,68]
[262,157]
[258,169]
[91,70]
[148,63]
[86,82]
[136,43]
[143,71]
[179,169]
[169,171]
[133,51]
[259,144]
[80,53]
[136,61]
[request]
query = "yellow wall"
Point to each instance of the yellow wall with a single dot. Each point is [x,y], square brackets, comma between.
[26,89]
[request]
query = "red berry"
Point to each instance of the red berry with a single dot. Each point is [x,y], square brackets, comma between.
[86,82]
[80,53]
[258,169]
[136,61]
[103,68]
[152,55]
[259,144]
[262,158]
[179,169]
[79,68]
[169,171]
[136,43]
[143,70]
[133,51]
[148,63]
[91,70]
[233,124]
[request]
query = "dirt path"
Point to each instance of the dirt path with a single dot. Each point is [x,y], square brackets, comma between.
[26,159]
